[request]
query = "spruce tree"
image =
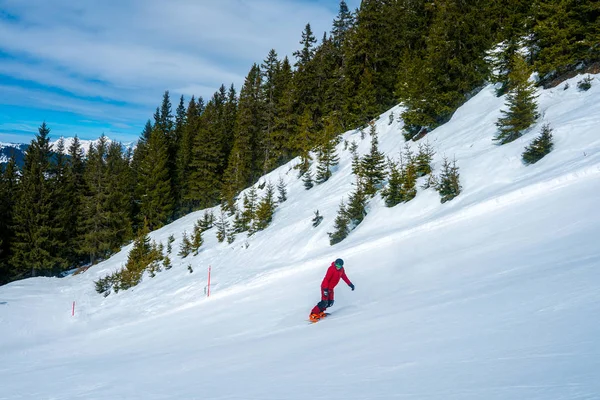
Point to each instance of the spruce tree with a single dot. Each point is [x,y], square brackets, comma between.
[197,237]
[8,192]
[423,159]
[340,227]
[250,205]
[393,193]
[521,104]
[541,145]
[95,216]
[185,248]
[449,186]
[154,181]
[223,231]
[35,240]
[372,166]
[204,182]
[326,159]
[282,191]
[242,164]
[185,155]
[62,205]
[265,209]
[307,179]
[317,219]
[356,210]
[565,36]
[119,196]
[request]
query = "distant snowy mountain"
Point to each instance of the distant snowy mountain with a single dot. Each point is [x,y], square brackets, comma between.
[18,149]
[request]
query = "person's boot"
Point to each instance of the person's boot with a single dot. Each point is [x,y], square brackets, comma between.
[314,317]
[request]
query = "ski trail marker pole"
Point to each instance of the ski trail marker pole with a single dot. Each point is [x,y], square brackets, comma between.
[73,311]
[208,286]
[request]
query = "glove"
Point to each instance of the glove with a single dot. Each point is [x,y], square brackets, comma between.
[351,286]
[330,303]
[325,292]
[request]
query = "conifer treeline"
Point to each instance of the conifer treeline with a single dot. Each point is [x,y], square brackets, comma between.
[61,211]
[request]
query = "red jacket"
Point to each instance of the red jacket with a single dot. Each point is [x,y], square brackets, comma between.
[333,277]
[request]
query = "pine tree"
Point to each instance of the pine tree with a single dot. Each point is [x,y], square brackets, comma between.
[250,205]
[156,201]
[223,231]
[185,155]
[242,165]
[281,189]
[207,220]
[185,248]
[77,190]
[119,196]
[8,192]
[204,182]
[317,219]
[565,36]
[356,210]
[265,209]
[393,193]
[449,186]
[62,205]
[372,166]
[95,216]
[308,180]
[356,162]
[341,223]
[541,145]
[197,237]
[521,104]
[423,159]
[35,240]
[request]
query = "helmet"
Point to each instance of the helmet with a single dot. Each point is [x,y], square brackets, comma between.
[339,263]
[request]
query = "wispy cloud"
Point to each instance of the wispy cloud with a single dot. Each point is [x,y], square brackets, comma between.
[111,60]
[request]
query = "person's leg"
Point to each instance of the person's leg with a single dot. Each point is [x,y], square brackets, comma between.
[322,305]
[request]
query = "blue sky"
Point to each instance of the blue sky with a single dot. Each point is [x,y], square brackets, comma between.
[101,66]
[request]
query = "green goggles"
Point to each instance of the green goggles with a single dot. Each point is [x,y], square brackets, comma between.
[338,266]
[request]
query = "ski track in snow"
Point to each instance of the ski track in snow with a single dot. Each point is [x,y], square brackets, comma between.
[493,295]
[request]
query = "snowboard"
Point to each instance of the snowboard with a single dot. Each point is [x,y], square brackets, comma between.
[314,322]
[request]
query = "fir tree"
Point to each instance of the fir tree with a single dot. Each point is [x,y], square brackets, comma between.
[356,164]
[326,156]
[449,186]
[423,159]
[341,223]
[197,237]
[223,230]
[185,248]
[372,166]
[170,242]
[207,220]
[265,209]
[521,104]
[393,193]
[541,145]
[8,192]
[317,219]
[250,204]
[357,202]
[95,216]
[308,180]
[282,191]
[156,201]
[35,240]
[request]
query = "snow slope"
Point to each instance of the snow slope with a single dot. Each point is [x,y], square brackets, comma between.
[494,295]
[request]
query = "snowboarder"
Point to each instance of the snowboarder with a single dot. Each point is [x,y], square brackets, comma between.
[335,272]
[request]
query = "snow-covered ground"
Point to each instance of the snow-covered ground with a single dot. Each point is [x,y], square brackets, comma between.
[494,295]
